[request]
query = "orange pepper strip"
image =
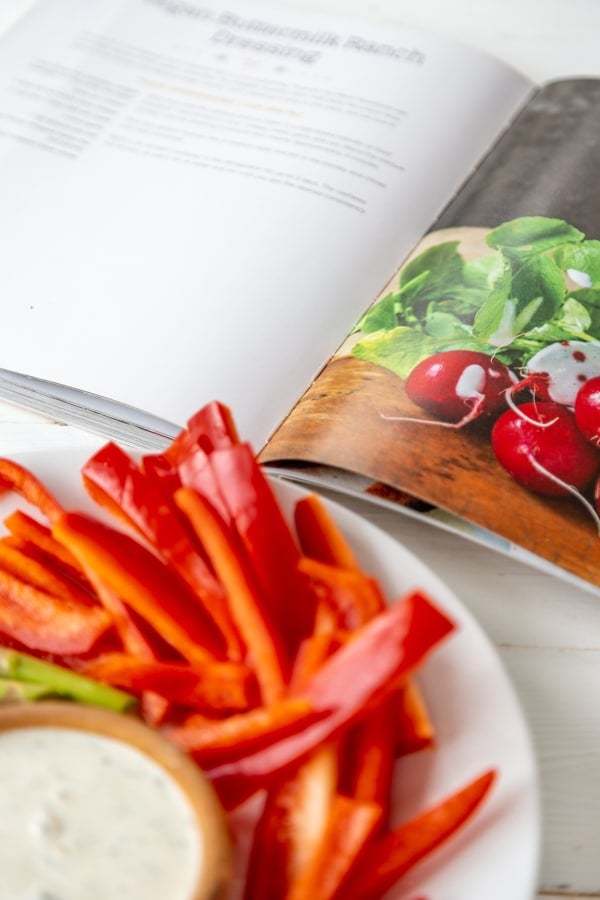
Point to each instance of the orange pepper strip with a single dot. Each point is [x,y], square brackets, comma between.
[312,653]
[41,576]
[382,652]
[395,853]
[267,542]
[142,581]
[292,826]
[47,623]
[348,831]
[216,740]
[353,596]
[413,726]
[374,757]
[40,549]
[28,534]
[319,535]
[153,706]
[115,481]
[17,478]
[265,646]
[218,686]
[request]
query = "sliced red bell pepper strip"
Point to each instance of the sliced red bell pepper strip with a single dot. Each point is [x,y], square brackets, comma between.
[413,726]
[219,686]
[43,622]
[41,576]
[28,534]
[17,478]
[267,541]
[247,609]
[197,473]
[372,753]
[183,462]
[383,652]
[154,707]
[214,740]
[320,537]
[213,427]
[143,582]
[350,826]
[115,481]
[354,597]
[395,853]
[162,471]
[41,550]
[129,633]
[311,655]
[292,825]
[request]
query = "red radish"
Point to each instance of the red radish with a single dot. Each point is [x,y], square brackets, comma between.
[559,370]
[459,386]
[587,410]
[541,446]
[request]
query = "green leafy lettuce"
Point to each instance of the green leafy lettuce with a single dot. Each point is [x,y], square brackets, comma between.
[540,283]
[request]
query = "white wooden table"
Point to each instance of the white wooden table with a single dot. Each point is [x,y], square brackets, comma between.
[546,632]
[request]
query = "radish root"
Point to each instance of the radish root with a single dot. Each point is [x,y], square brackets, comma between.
[567,487]
[518,411]
[471,416]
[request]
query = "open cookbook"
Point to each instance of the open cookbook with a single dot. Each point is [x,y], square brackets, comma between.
[380,248]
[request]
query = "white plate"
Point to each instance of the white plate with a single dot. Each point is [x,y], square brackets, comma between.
[478,720]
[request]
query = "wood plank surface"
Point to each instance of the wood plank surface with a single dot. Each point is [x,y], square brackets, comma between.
[339,423]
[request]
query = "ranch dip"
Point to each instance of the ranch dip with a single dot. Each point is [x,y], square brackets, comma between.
[87,816]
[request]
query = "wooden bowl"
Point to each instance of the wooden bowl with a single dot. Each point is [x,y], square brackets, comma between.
[215,852]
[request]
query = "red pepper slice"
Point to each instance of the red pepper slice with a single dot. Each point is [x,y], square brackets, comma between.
[353,597]
[321,538]
[153,706]
[396,852]
[36,539]
[383,652]
[292,826]
[220,686]
[311,655]
[17,478]
[413,726]
[349,829]
[143,582]
[40,575]
[371,750]
[212,741]
[267,541]
[46,623]
[35,542]
[319,535]
[213,427]
[246,605]
[116,482]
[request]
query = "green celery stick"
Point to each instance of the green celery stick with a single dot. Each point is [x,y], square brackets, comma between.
[22,667]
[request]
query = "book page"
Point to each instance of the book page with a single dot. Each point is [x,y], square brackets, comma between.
[473,382]
[198,199]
